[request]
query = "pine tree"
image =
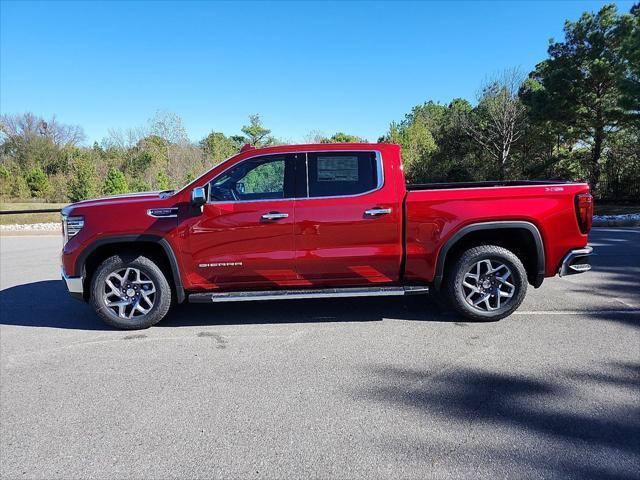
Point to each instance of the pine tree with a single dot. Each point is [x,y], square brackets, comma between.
[115,183]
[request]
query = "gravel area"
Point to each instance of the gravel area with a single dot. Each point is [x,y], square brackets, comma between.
[42,227]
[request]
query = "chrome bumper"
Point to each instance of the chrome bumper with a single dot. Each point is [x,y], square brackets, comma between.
[74,285]
[576,261]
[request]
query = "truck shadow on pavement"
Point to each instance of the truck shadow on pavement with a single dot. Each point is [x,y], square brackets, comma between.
[47,304]
[559,432]
[309,311]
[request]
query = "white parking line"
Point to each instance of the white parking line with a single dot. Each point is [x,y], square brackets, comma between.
[616,230]
[578,312]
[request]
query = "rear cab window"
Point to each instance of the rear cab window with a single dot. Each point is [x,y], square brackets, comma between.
[336,174]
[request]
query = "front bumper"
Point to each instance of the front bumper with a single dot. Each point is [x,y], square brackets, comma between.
[75,285]
[576,261]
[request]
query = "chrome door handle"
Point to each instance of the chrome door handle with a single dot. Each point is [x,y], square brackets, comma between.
[376,212]
[274,216]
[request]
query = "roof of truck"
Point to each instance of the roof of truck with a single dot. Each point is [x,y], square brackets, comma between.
[316,147]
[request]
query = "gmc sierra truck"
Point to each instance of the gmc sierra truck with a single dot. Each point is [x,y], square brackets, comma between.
[322,221]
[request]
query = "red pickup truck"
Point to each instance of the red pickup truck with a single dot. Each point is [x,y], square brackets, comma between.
[322,221]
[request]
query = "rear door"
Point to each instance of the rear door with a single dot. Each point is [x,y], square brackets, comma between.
[244,237]
[348,223]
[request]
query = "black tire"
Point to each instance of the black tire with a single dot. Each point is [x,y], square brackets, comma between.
[149,271]
[457,293]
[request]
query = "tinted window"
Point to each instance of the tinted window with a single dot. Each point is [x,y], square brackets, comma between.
[342,173]
[261,178]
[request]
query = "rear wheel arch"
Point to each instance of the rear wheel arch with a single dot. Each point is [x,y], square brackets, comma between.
[152,246]
[525,241]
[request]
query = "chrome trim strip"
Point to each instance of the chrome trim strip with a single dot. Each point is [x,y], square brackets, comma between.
[567,269]
[63,220]
[379,170]
[215,298]
[376,212]
[74,284]
[274,216]
[306,172]
[171,215]
[416,290]
[347,292]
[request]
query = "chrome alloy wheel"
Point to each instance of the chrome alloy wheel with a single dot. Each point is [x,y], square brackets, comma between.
[129,293]
[486,285]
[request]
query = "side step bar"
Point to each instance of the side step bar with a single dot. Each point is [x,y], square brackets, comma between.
[306,293]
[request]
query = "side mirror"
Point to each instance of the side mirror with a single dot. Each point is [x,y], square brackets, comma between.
[198,197]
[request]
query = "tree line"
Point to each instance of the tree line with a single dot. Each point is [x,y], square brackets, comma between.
[575,116]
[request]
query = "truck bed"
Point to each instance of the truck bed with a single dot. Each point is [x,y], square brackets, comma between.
[434,212]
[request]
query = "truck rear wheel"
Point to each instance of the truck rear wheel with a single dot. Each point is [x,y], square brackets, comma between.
[130,292]
[486,283]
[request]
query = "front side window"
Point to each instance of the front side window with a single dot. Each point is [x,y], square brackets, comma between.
[261,178]
[333,174]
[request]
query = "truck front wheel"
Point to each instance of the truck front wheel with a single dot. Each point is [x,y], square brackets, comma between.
[130,292]
[486,283]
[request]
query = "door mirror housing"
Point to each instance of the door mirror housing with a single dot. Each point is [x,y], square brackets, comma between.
[198,197]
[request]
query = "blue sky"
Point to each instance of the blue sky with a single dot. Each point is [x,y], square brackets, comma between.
[351,67]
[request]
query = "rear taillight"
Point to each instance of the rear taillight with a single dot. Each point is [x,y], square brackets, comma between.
[584,211]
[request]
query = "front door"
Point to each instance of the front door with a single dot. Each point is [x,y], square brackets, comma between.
[244,237]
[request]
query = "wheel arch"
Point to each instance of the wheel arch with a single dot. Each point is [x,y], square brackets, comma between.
[153,245]
[479,233]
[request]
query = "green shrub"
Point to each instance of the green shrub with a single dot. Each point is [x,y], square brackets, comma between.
[58,192]
[82,184]
[19,187]
[38,182]
[115,183]
[162,180]
[5,181]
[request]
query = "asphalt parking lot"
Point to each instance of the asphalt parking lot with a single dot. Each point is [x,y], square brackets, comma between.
[363,388]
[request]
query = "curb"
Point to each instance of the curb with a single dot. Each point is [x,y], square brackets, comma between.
[617,221]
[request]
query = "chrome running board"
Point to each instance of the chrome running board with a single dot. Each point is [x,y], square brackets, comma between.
[347,292]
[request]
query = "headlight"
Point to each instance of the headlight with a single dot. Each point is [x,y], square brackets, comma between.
[71,226]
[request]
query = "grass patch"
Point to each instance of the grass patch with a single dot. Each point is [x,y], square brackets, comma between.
[28,218]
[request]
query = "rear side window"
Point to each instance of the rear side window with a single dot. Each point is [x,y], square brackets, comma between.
[334,174]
